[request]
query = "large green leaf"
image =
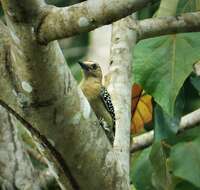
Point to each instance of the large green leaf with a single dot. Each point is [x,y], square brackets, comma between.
[162,64]
[192,100]
[161,176]
[195,80]
[183,185]
[141,171]
[166,126]
[185,161]
[149,10]
[187,136]
[188,6]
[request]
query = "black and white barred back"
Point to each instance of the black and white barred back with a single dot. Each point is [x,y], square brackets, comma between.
[106,98]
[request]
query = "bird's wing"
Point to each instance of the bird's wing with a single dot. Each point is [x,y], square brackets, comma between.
[106,98]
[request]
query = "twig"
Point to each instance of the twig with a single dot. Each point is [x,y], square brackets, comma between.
[142,141]
[188,22]
[145,140]
[189,121]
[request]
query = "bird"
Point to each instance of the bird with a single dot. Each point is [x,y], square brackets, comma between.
[98,96]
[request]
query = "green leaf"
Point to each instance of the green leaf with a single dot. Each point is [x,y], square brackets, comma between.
[192,100]
[162,64]
[188,6]
[149,10]
[161,177]
[166,126]
[185,186]
[187,136]
[195,80]
[141,171]
[185,161]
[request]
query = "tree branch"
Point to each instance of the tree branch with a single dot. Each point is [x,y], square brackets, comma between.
[119,79]
[83,17]
[187,122]
[14,158]
[39,89]
[188,22]
[22,10]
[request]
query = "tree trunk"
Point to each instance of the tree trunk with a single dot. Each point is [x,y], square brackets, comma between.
[16,170]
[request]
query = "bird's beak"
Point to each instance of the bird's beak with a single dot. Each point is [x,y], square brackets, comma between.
[83,65]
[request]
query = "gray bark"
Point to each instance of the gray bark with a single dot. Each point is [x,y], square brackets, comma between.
[16,170]
[83,17]
[119,85]
[38,88]
[188,22]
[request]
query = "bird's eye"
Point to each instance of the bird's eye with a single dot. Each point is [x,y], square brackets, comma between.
[94,66]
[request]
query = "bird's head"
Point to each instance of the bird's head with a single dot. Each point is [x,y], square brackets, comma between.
[91,69]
